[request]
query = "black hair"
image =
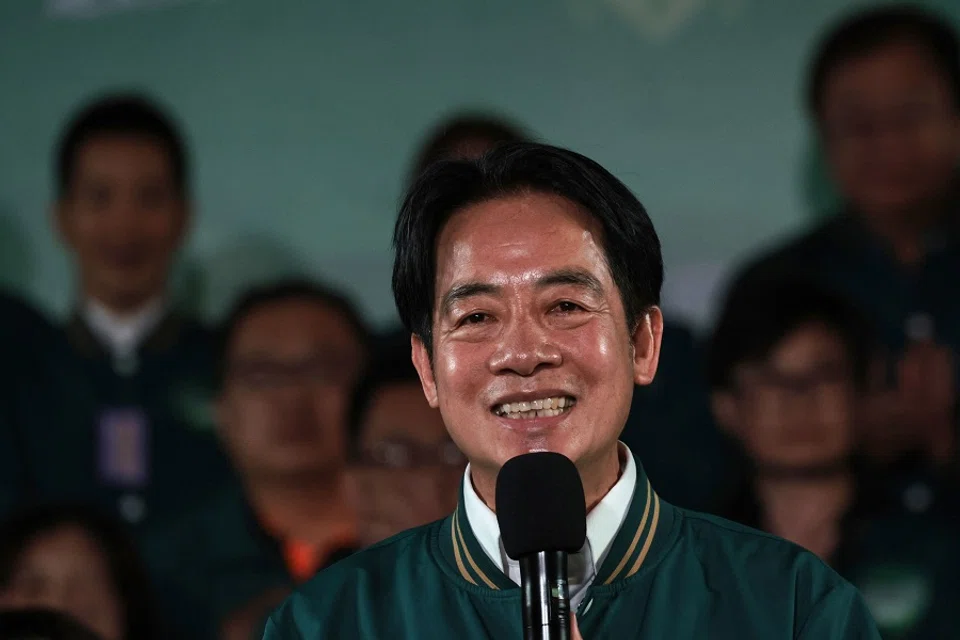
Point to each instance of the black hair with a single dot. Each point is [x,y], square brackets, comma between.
[122,114]
[390,364]
[630,242]
[450,133]
[866,31]
[124,564]
[284,291]
[758,315]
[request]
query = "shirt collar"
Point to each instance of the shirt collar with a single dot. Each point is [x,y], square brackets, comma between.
[649,529]
[121,335]
[603,523]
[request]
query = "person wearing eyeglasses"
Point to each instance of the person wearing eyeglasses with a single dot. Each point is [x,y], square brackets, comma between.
[883,93]
[406,469]
[290,356]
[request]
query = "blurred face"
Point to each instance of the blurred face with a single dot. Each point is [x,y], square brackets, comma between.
[410,472]
[65,570]
[795,411]
[123,218]
[531,348]
[291,368]
[401,429]
[891,131]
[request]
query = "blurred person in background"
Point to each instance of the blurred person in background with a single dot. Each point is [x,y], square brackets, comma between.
[671,415]
[464,135]
[883,91]
[118,415]
[290,357]
[78,561]
[787,365]
[671,428]
[406,468]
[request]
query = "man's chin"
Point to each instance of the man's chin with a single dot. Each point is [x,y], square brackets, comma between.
[538,445]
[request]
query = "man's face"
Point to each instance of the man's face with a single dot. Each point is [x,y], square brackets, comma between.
[401,429]
[531,348]
[291,368]
[891,130]
[411,470]
[795,410]
[123,217]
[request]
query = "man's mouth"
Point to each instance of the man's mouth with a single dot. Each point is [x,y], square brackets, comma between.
[539,408]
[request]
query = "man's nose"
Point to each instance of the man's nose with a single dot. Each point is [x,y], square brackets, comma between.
[525,346]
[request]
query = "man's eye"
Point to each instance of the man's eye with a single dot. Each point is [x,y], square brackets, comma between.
[567,307]
[474,318]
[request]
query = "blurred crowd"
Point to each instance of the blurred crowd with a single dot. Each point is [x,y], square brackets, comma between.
[161,478]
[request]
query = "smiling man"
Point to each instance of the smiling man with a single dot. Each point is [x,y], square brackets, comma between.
[529,280]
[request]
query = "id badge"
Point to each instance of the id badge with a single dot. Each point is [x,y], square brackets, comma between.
[124,447]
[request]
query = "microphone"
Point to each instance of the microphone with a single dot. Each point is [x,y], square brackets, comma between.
[543,517]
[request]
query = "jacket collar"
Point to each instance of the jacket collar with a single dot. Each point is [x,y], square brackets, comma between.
[646,533]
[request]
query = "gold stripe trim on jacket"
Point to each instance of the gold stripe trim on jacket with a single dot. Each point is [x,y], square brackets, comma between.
[473,565]
[649,540]
[456,549]
[636,538]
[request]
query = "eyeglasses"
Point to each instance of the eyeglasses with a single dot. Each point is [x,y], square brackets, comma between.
[907,118]
[405,454]
[825,379]
[330,369]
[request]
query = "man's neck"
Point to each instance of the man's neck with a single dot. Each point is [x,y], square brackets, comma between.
[121,307]
[807,511]
[121,313]
[307,510]
[598,476]
[122,334]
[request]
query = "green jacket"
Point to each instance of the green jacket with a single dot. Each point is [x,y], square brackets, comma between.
[210,562]
[134,438]
[903,561]
[670,574]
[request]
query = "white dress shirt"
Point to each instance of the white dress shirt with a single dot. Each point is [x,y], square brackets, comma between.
[603,523]
[122,334]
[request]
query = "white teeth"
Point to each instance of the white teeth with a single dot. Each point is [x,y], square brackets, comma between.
[543,408]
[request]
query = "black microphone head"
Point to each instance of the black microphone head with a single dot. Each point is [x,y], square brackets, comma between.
[540,505]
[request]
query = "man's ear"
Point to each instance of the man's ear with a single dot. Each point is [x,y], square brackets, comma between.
[421,360]
[647,338]
[724,407]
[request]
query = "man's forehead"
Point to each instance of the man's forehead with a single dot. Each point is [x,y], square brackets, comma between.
[517,240]
[294,320]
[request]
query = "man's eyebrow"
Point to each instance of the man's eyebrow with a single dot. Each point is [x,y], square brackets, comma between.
[464,291]
[574,277]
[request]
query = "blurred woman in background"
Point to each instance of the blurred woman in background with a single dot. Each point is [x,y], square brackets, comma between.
[77,561]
